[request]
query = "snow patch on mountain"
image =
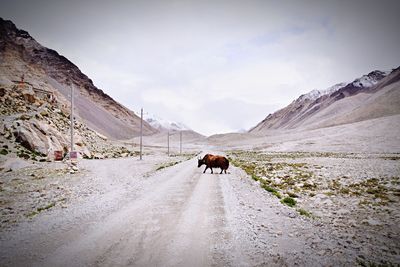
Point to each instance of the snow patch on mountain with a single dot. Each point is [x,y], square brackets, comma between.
[332,89]
[163,124]
[315,94]
[370,79]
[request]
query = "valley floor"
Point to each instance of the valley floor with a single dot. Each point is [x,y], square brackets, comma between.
[163,211]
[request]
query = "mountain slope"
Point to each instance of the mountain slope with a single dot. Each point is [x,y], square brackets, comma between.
[45,69]
[371,96]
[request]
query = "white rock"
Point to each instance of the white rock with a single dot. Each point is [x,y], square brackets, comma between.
[373,222]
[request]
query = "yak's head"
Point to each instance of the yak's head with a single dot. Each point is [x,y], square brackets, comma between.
[200,162]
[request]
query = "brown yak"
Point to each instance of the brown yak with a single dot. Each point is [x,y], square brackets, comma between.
[212,161]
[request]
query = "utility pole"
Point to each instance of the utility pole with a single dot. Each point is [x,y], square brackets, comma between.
[180,142]
[141,132]
[72,118]
[168,143]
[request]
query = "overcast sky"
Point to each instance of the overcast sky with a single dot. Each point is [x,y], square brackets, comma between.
[216,66]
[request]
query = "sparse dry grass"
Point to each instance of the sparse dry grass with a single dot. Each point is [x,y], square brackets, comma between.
[166,165]
[286,176]
[181,157]
[280,178]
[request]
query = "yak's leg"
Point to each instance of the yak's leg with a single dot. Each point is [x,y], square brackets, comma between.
[225,171]
[211,170]
[221,171]
[205,169]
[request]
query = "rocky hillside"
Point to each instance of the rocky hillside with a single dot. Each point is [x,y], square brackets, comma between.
[374,95]
[32,127]
[44,69]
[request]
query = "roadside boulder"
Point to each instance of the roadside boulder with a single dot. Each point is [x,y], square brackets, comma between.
[84,151]
[29,139]
[78,140]
[39,137]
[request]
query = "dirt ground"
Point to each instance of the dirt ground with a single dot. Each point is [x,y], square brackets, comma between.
[163,211]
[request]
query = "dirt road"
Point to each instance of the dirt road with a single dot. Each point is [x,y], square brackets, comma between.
[176,216]
[167,224]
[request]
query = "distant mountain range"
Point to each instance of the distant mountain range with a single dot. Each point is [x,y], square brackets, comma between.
[164,125]
[374,95]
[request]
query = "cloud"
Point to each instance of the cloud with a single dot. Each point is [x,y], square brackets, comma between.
[227,115]
[181,59]
[169,99]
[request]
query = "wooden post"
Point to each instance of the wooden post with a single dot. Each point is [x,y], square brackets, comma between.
[21,84]
[141,132]
[72,117]
[168,143]
[180,142]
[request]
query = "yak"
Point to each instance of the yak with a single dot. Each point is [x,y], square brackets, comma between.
[212,161]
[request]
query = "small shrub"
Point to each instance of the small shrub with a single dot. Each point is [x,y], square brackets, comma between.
[363,202]
[288,201]
[38,210]
[167,165]
[268,188]
[33,213]
[160,167]
[23,155]
[304,212]
[308,186]
[291,194]
[249,169]
[372,191]
[46,207]
[254,177]
[277,194]
[345,191]
[3,152]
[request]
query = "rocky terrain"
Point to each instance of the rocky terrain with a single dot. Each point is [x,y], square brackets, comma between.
[33,128]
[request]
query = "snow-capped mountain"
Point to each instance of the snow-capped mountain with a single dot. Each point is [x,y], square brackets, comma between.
[334,105]
[365,81]
[314,94]
[370,79]
[163,124]
[332,89]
